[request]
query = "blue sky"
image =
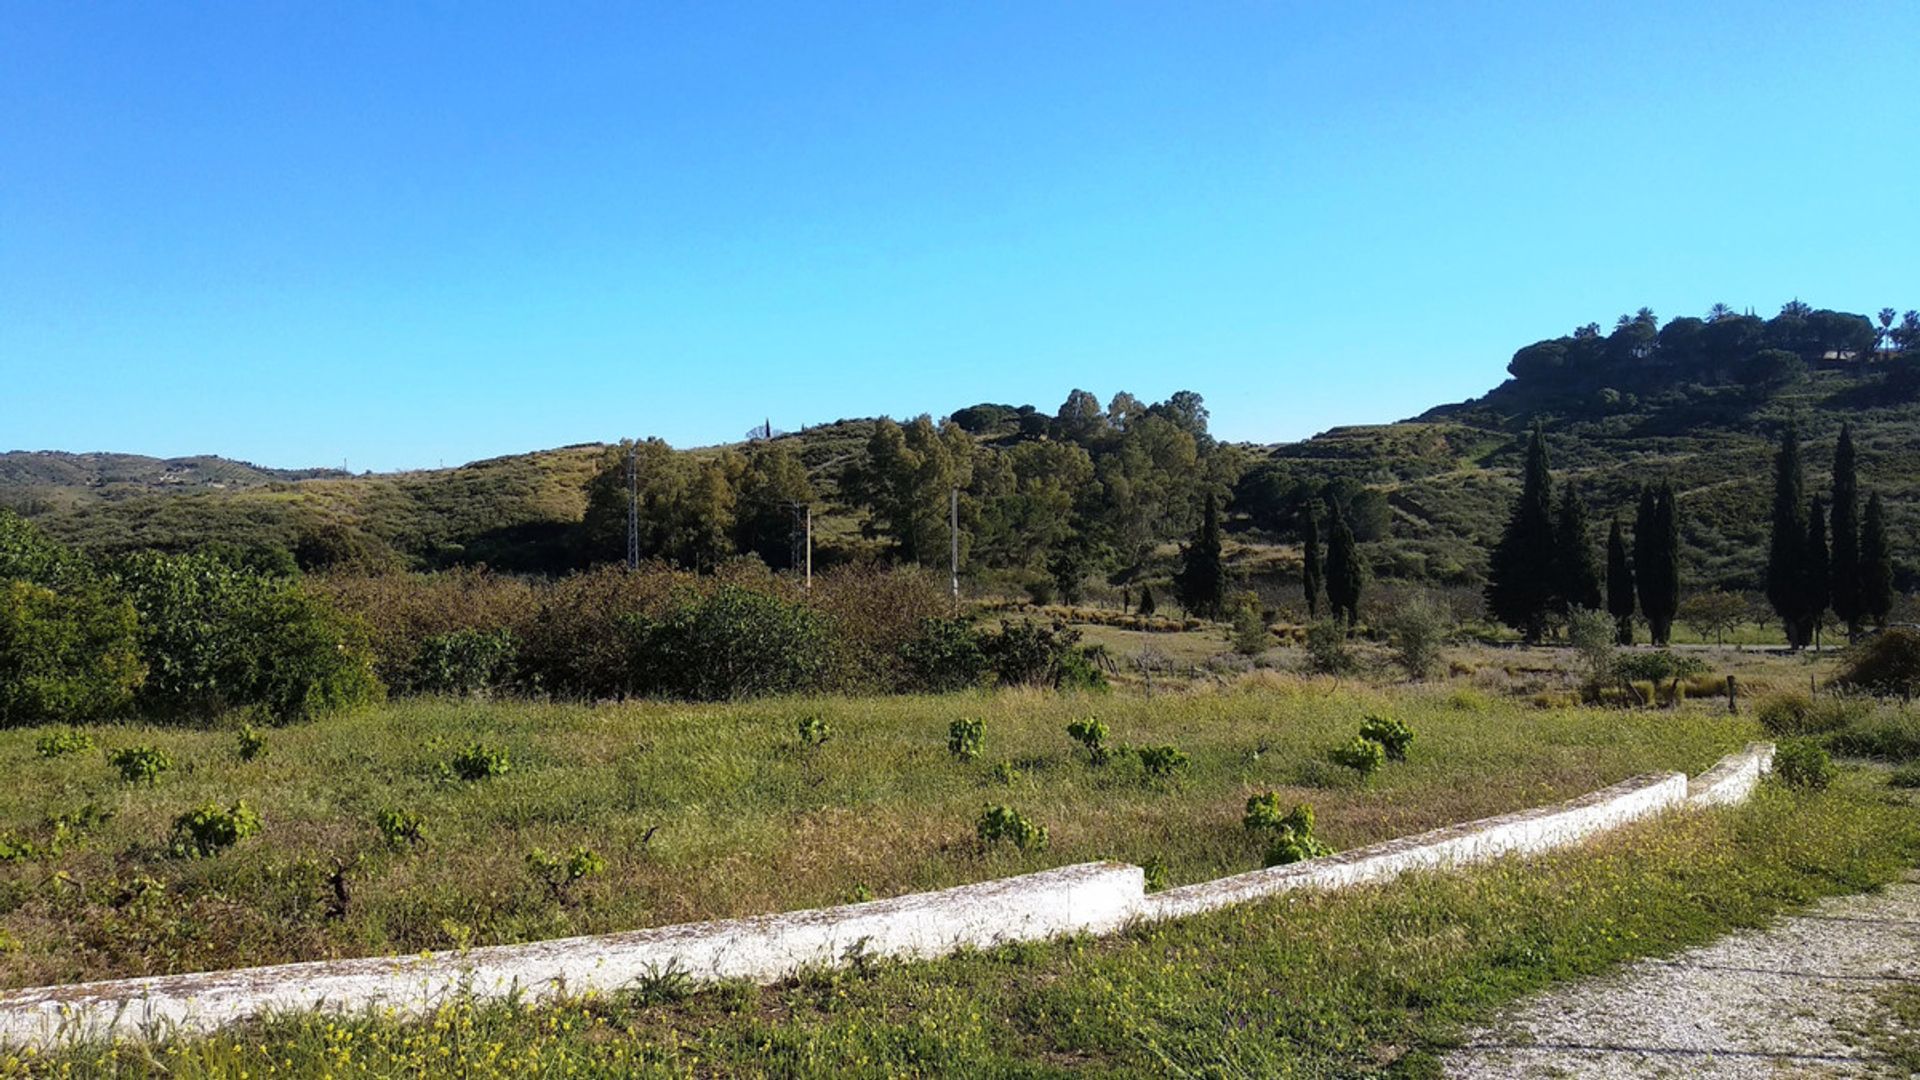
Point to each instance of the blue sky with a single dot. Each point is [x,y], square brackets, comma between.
[411,233]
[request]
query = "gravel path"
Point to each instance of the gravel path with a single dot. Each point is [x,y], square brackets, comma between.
[1765,1003]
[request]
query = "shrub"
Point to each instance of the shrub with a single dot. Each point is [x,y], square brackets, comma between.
[1803,763]
[946,655]
[872,614]
[210,829]
[1161,762]
[401,612]
[1362,755]
[966,738]
[999,823]
[140,764]
[1029,653]
[249,743]
[1006,772]
[1250,635]
[560,875]
[1091,734]
[1289,835]
[65,657]
[1327,650]
[1655,667]
[1887,664]
[1393,735]
[1082,668]
[1595,640]
[813,730]
[480,762]
[1890,735]
[400,827]
[1418,628]
[62,741]
[735,643]
[1789,714]
[464,662]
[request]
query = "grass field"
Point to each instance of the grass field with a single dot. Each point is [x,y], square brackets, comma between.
[718,811]
[1371,980]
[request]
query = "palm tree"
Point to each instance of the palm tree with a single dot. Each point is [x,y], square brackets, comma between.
[1718,312]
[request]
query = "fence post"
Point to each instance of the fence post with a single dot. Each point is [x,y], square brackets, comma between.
[1733,697]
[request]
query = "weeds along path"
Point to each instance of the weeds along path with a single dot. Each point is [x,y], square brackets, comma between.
[1808,996]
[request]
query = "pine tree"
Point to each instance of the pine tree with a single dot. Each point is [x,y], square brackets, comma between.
[1200,584]
[1876,565]
[1312,569]
[1844,571]
[1619,585]
[1656,560]
[1813,572]
[1520,571]
[1785,554]
[1578,577]
[1346,574]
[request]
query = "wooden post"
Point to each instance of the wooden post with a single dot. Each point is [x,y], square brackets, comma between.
[1733,697]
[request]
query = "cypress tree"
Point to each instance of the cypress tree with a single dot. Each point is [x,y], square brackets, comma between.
[1876,565]
[1346,575]
[1520,571]
[1579,577]
[1145,607]
[1312,570]
[1844,570]
[1813,571]
[1656,560]
[1201,582]
[1786,553]
[1619,585]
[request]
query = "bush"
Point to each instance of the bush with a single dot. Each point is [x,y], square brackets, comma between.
[734,643]
[140,764]
[464,662]
[1803,763]
[946,655]
[1890,735]
[871,614]
[1594,638]
[1327,650]
[1418,629]
[561,875]
[401,828]
[210,829]
[1091,734]
[813,730]
[1394,736]
[999,823]
[1029,653]
[1250,635]
[1161,762]
[1790,714]
[480,762]
[401,612]
[61,742]
[1887,664]
[1362,755]
[966,738]
[1655,667]
[65,657]
[1005,773]
[1906,776]
[1289,835]
[249,743]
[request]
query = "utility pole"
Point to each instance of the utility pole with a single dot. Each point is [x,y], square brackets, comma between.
[633,507]
[953,536]
[809,547]
[801,550]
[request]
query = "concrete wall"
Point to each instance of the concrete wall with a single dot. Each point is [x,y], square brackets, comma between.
[1089,898]
[1732,780]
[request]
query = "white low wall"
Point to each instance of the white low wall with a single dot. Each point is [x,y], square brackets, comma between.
[1524,832]
[1732,780]
[1090,898]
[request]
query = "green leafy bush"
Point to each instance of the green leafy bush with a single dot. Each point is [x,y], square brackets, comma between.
[1418,628]
[1005,772]
[1361,754]
[813,729]
[480,762]
[66,656]
[1392,734]
[966,737]
[1887,664]
[734,643]
[1803,763]
[999,823]
[1289,834]
[211,829]
[249,742]
[1039,654]
[464,662]
[946,655]
[61,742]
[1656,667]
[560,875]
[1091,734]
[1327,650]
[401,827]
[1249,634]
[140,764]
[1161,762]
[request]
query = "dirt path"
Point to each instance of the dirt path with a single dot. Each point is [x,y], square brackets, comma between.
[1804,997]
